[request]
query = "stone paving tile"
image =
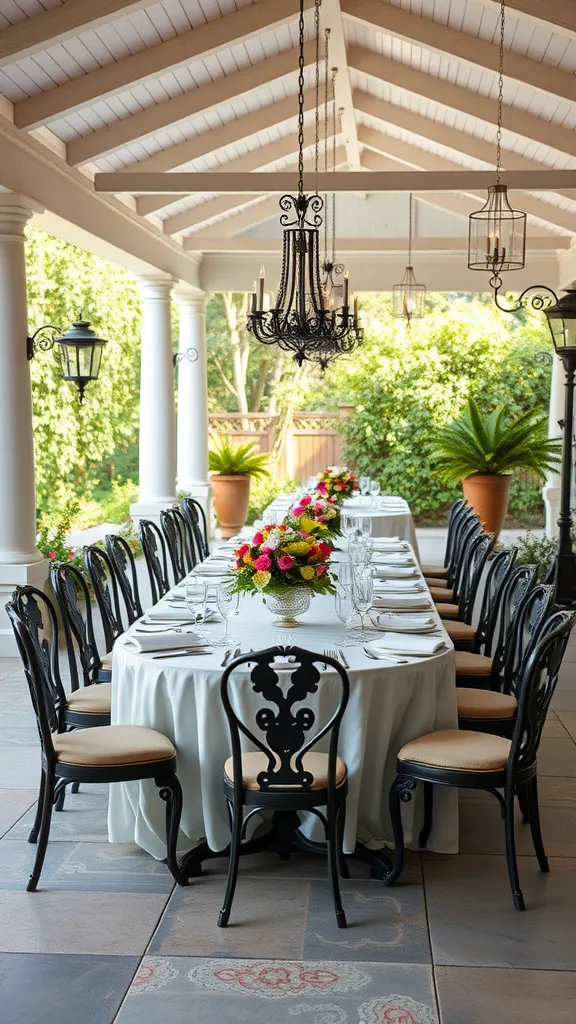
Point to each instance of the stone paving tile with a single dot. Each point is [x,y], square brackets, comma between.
[482,831]
[568,720]
[13,804]
[19,767]
[83,819]
[63,922]
[564,700]
[92,867]
[554,729]
[473,922]
[267,919]
[552,792]
[177,989]
[557,757]
[8,666]
[57,989]
[18,735]
[473,995]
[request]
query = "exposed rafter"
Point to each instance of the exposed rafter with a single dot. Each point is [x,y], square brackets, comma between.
[463,45]
[559,14]
[180,50]
[331,17]
[31,35]
[462,100]
[256,214]
[181,108]
[535,243]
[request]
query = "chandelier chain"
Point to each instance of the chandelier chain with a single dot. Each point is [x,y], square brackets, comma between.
[410,230]
[334,127]
[500,91]
[326,99]
[301,100]
[317,90]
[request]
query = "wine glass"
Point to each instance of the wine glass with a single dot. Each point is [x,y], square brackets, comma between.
[345,576]
[374,488]
[228,604]
[360,552]
[365,526]
[311,484]
[362,593]
[195,598]
[345,611]
[365,485]
[348,525]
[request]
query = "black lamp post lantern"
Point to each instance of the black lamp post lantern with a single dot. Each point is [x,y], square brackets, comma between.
[561,316]
[80,351]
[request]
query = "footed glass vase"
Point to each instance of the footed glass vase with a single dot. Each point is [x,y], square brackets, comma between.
[287,606]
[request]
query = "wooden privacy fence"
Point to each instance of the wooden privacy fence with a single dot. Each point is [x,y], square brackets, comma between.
[301,444]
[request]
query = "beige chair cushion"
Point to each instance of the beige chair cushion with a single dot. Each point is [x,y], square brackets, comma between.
[91,700]
[109,746]
[106,662]
[435,581]
[459,630]
[440,594]
[317,764]
[434,570]
[458,749]
[446,610]
[472,664]
[485,703]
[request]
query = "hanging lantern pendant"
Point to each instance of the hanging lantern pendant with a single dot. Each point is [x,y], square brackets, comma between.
[409,297]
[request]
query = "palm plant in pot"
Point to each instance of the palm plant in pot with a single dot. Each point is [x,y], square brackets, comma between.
[232,466]
[482,451]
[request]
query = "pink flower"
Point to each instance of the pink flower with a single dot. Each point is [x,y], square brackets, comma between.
[325,549]
[243,550]
[340,486]
[320,570]
[262,563]
[285,562]
[306,500]
[318,507]
[322,519]
[257,538]
[51,554]
[299,511]
[264,550]
[321,488]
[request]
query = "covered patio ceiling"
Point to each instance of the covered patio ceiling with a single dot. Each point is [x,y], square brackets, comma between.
[90,87]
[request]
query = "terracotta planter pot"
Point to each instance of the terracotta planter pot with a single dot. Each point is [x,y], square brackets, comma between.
[231,497]
[488,496]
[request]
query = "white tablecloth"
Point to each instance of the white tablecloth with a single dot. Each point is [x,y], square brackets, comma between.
[391,517]
[389,705]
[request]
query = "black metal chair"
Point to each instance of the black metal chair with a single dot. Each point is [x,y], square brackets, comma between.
[102,576]
[173,526]
[456,518]
[122,559]
[495,710]
[196,516]
[110,753]
[283,774]
[477,760]
[87,665]
[473,669]
[154,550]
[457,618]
[500,570]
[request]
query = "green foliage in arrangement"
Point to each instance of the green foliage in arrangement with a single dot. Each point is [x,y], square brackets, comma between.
[494,444]
[536,550]
[230,459]
[406,385]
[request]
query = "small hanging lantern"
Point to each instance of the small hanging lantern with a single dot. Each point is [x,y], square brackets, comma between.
[409,297]
[80,351]
[497,232]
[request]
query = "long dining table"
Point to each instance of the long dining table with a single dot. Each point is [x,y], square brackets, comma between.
[390,704]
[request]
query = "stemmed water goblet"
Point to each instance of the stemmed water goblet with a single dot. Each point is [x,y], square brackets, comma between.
[360,552]
[365,526]
[195,597]
[228,604]
[345,610]
[375,490]
[348,525]
[365,482]
[362,593]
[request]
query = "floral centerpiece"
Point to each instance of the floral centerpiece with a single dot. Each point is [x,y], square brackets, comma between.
[337,482]
[285,565]
[315,514]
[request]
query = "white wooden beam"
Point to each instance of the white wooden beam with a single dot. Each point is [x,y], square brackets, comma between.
[182,108]
[331,17]
[462,45]
[462,100]
[423,160]
[535,243]
[341,181]
[283,148]
[200,42]
[31,35]
[558,14]
[247,218]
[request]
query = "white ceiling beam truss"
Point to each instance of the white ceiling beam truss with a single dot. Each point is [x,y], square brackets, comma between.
[331,17]
[559,14]
[537,243]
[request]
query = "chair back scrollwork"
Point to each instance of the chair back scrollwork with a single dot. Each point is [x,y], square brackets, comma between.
[101,574]
[71,589]
[122,559]
[154,550]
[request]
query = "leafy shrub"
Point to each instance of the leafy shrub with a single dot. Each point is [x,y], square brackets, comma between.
[535,550]
[52,533]
[117,508]
[262,492]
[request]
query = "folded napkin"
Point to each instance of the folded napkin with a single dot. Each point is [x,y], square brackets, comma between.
[146,642]
[409,602]
[421,646]
[389,549]
[383,543]
[392,558]
[211,569]
[398,586]
[406,623]
[395,571]
[163,612]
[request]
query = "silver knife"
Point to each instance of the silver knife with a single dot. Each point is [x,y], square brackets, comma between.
[343,658]
[185,652]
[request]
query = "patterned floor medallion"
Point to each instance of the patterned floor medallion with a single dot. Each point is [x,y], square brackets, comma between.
[154,972]
[275,980]
[395,1010]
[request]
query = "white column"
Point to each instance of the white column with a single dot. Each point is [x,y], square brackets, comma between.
[157,444]
[20,560]
[551,489]
[192,472]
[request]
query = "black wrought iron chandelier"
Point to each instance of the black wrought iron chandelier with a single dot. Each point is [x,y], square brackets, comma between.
[302,320]
[409,297]
[497,233]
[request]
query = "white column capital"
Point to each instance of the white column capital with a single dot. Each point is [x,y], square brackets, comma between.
[194,302]
[155,286]
[15,212]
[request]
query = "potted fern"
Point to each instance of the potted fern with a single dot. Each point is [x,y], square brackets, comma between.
[232,466]
[482,452]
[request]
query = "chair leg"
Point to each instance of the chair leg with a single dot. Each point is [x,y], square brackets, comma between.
[534,814]
[332,843]
[232,866]
[511,853]
[171,791]
[524,803]
[341,824]
[401,790]
[47,803]
[36,826]
[59,795]
[75,787]
[428,809]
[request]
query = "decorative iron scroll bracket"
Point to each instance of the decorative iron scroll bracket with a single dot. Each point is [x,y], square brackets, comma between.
[37,342]
[191,354]
[537,296]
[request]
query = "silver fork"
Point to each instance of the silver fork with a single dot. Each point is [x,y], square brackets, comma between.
[331,652]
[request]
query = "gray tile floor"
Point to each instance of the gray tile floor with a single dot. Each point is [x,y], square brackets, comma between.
[108,938]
